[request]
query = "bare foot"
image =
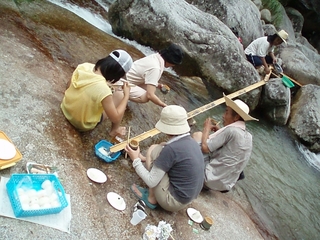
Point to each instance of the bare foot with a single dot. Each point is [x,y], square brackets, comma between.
[121,131]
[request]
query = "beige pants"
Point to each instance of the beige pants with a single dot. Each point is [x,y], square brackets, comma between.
[161,191]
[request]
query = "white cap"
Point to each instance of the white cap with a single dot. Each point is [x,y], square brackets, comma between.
[173,120]
[124,59]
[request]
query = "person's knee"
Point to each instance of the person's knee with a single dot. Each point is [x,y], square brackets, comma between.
[141,99]
[197,136]
[117,97]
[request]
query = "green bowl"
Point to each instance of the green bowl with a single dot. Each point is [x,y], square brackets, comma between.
[287,82]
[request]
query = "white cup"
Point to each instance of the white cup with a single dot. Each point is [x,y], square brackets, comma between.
[137,217]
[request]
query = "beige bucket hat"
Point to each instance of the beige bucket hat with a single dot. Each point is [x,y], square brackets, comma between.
[239,107]
[283,35]
[173,120]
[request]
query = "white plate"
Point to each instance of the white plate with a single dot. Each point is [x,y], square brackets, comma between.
[116,201]
[96,175]
[194,215]
[7,150]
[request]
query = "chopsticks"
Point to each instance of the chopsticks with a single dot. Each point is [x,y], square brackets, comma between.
[126,155]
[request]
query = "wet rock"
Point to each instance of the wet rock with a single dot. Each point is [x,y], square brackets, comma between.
[238,14]
[40,45]
[301,68]
[266,15]
[275,101]
[305,116]
[212,51]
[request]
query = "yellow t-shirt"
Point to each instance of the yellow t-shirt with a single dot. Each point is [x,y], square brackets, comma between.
[81,104]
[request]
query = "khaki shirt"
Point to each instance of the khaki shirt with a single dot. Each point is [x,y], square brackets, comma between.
[230,152]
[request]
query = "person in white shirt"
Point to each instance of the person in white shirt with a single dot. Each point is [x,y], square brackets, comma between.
[146,72]
[260,52]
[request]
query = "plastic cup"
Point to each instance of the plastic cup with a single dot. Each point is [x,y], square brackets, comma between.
[137,217]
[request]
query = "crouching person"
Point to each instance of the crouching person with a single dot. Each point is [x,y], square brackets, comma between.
[226,151]
[173,171]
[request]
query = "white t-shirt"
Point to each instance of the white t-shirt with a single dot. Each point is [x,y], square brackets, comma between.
[259,47]
[147,70]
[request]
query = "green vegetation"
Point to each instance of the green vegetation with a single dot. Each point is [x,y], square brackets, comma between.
[274,7]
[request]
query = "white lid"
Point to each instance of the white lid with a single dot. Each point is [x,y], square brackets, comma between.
[116,201]
[7,150]
[194,215]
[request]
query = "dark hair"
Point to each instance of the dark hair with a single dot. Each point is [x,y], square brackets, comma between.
[110,68]
[234,113]
[271,38]
[172,54]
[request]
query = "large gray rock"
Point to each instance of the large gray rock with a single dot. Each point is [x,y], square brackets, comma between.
[296,18]
[212,50]
[286,24]
[305,116]
[258,3]
[266,15]
[275,101]
[299,66]
[242,15]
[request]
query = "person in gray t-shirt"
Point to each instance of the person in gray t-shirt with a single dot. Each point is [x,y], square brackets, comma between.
[174,171]
[228,150]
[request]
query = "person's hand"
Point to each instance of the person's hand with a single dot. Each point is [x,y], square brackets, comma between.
[207,126]
[133,154]
[126,88]
[274,61]
[267,70]
[215,127]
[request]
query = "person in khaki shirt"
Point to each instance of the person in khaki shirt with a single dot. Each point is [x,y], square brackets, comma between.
[226,151]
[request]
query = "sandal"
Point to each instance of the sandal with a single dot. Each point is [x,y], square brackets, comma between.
[144,196]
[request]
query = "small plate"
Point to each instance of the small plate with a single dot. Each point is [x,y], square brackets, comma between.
[96,175]
[116,201]
[7,150]
[194,215]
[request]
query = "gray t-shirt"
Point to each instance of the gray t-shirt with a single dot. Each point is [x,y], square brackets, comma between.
[183,161]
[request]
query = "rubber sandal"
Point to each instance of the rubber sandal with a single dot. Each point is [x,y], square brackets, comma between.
[144,196]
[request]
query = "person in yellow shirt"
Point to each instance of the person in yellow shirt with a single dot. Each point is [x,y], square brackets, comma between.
[89,98]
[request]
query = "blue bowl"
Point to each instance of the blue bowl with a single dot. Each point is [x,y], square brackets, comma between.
[102,150]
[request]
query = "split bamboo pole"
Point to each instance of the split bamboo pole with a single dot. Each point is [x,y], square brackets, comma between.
[154,131]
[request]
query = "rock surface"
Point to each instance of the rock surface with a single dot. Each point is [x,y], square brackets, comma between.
[39,51]
[212,51]
[305,108]
[238,14]
[211,48]
[275,101]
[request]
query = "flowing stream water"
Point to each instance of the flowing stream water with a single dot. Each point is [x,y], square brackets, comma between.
[282,177]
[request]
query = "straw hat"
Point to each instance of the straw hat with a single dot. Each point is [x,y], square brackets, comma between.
[173,120]
[239,107]
[283,35]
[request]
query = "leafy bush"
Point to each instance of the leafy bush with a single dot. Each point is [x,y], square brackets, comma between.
[274,6]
